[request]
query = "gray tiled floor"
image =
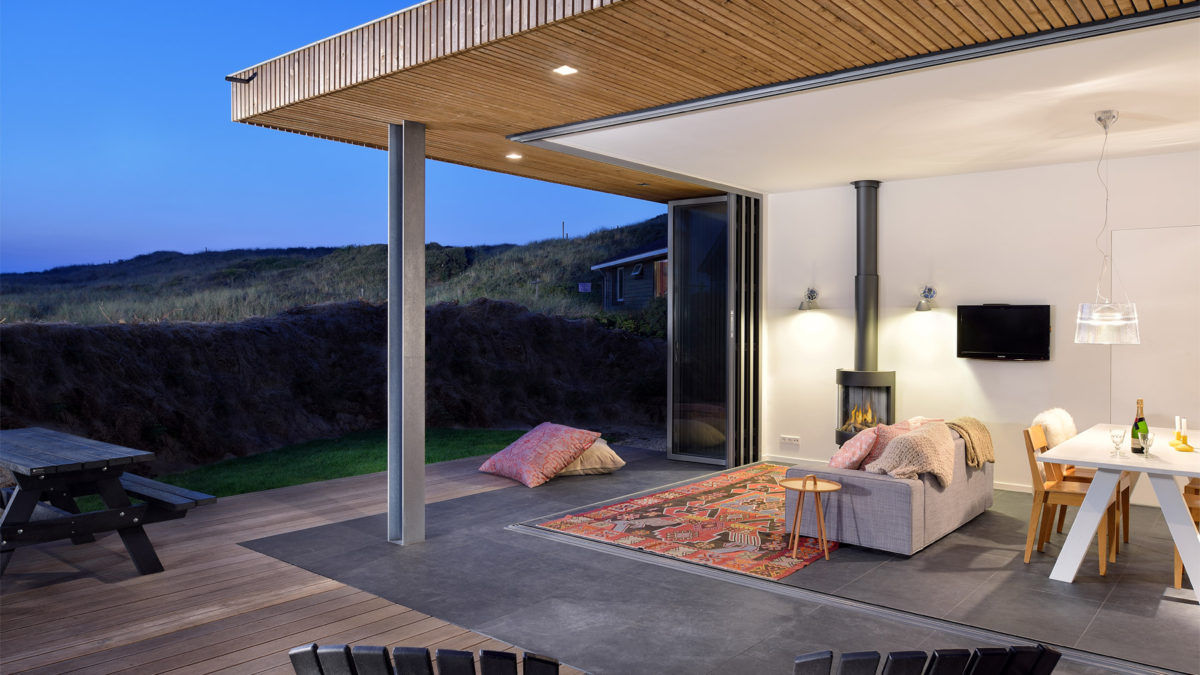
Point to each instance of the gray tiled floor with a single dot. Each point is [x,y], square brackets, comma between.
[619,614]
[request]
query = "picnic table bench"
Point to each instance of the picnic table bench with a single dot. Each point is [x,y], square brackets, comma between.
[52,469]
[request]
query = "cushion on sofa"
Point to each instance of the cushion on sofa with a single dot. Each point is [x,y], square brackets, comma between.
[540,454]
[598,458]
[926,449]
[852,452]
[885,433]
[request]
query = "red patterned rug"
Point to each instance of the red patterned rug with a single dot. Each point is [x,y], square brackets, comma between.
[733,520]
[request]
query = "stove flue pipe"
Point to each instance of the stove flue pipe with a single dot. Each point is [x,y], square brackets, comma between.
[866,278]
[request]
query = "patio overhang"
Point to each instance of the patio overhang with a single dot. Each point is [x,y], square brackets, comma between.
[475,73]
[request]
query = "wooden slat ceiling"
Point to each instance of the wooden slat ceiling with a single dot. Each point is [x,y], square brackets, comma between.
[476,71]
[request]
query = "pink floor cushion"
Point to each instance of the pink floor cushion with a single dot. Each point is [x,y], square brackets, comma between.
[852,452]
[540,454]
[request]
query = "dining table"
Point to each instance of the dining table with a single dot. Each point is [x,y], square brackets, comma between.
[1162,464]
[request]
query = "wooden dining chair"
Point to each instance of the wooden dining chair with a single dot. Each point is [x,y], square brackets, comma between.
[1050,491]
[1191,496]
[1082,474]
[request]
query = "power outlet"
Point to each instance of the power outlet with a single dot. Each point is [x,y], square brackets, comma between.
[789,444]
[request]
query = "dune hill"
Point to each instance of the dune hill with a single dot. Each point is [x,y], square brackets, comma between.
[223,286]
[198,392]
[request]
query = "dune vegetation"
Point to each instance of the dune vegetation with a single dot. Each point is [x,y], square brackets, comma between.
[226,286]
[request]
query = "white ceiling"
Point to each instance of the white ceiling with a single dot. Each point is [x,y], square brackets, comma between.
[1020,109]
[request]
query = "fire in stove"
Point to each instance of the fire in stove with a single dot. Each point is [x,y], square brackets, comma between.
[858,419]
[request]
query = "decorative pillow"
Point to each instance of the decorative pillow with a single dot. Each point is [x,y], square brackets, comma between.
[540,454]
[697,434]
[850,455]
[929,449]
[884,434]
[599,458]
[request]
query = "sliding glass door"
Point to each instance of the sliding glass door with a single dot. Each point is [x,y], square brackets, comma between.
[713,298]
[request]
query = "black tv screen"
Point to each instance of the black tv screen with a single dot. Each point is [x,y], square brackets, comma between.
[1004,332]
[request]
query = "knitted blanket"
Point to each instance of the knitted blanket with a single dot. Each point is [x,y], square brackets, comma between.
[927,449]
[977,439]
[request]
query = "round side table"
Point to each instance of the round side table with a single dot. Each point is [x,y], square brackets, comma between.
[803,486]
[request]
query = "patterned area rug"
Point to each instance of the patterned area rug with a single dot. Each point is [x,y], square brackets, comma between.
[733,520]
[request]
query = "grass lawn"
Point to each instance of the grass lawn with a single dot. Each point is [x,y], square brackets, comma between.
[352,455]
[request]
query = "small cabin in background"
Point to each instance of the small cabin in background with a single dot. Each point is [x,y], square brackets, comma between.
[635,277]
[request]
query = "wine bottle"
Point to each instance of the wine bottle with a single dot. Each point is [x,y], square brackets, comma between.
[1139,427]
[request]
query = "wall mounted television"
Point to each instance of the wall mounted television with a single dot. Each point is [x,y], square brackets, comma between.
[1004,332]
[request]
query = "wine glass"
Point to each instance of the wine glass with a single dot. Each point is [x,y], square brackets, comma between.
[1147,438]
[1117,436]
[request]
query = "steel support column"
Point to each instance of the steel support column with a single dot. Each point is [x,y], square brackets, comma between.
[406,333]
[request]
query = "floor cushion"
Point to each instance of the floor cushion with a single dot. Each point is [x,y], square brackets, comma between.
[540,454]
[598,458]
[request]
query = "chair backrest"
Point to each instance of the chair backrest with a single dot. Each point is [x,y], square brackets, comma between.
[304,660]
[948,662]
[988,661]
[858,663]
[1046,662]
[815,663]
[1021,659]
[412,661]
[455,662]
[335,660]
[536,664]
[905,663]
[370,660]
[1035,444]
[497,663]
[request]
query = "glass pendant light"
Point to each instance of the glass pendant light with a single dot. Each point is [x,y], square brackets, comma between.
[1105,322]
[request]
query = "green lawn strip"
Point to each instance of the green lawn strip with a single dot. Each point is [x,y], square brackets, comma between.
[351,455]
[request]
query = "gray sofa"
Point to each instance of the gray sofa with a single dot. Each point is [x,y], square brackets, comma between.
[894,514]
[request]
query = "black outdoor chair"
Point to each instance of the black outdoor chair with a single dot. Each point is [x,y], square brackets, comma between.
[1017,660]
[365,660]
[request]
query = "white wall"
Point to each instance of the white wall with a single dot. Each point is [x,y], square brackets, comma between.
[1018,236]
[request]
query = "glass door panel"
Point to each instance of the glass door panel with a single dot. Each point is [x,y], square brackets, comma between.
[699,426]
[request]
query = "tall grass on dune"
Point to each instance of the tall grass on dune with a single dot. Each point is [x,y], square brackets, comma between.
[225,286]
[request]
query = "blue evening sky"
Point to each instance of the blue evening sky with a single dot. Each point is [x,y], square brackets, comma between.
[115,140]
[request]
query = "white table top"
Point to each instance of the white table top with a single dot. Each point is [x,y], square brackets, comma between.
[1092,447]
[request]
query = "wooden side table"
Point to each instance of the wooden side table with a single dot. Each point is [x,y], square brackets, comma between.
[803,486]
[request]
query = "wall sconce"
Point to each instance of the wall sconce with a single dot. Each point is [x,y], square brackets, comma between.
[926,302]
[810,300]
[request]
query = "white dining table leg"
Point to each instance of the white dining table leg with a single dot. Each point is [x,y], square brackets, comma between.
[1095,503]
[1179,522]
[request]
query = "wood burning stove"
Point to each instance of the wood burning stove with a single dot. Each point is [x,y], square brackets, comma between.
[866,397]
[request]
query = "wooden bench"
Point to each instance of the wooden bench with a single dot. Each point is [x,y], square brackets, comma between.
[166,501]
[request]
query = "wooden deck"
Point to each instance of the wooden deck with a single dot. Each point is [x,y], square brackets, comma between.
[218,607]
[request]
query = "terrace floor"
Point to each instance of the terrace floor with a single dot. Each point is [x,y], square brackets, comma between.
[218,607]
[224,604]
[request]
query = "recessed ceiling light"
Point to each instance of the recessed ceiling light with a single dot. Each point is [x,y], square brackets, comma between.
[565,70]
[513,155]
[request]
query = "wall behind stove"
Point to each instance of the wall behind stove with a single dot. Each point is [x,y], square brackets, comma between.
[1017,236]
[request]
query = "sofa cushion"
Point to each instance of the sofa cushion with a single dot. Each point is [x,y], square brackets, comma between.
[884,434]
[540,454]
[926,449]
[852,452]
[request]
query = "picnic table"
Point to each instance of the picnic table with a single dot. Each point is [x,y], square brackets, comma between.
[52,469]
